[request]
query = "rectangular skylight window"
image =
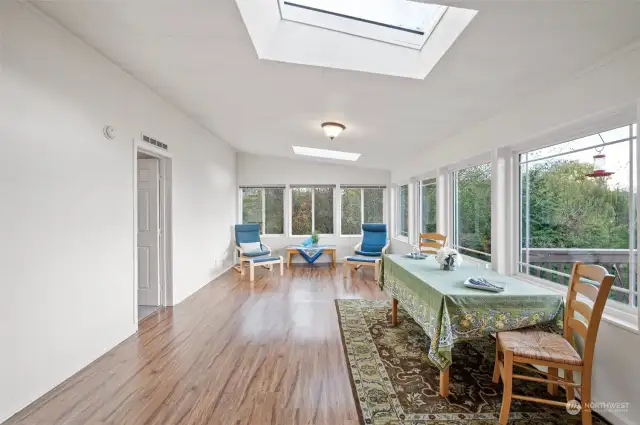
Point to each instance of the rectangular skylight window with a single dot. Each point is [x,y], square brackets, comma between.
[402,22]
[325,153]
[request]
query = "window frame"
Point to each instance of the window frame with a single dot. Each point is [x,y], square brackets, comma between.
[398,227]
[361,188]
[263,207]
[622,313]
[454,211]
[421,185]
[313,208]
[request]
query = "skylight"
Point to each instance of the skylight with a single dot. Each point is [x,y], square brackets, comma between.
[401,22]
[325,153]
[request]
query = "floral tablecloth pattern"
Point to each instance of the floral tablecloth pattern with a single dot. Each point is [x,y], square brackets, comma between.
[448,311]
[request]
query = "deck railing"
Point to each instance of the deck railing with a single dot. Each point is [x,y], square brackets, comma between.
[555,264]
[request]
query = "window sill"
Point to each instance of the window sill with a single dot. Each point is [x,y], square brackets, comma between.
[624,318]
[401,238]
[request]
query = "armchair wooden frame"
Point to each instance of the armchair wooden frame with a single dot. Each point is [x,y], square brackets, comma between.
[242,259]
[430,243]
[587,329]
[355,265]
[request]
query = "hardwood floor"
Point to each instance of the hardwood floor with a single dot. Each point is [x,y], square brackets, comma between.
[232,354]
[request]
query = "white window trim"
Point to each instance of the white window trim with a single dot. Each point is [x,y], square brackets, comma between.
[398,227]
[419,222]
[313,210]
[262,194]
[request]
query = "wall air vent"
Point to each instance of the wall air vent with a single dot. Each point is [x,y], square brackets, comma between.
[155,142]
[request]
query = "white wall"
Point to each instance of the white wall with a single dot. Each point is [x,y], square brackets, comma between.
[611,85]
[271,170]
[66,219]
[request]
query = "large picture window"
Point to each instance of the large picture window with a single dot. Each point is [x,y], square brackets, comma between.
[472,211]
[360,205]
[311,210]
[403,210]
[264,205]
[428,206]
[568,216]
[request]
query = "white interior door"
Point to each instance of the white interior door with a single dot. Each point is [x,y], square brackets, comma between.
[148,233]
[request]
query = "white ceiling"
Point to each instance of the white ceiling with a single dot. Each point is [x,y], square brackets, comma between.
[197,54]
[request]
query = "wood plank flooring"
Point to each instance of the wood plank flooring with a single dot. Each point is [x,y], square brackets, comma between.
[232,354]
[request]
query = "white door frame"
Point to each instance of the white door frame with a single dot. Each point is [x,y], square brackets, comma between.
[166,220]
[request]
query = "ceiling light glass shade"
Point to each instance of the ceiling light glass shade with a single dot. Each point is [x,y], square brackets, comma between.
[325,153]
[333,129]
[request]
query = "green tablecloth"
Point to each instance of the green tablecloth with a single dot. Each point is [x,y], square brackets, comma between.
[448,311]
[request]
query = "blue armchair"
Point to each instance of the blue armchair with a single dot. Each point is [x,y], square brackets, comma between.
[374,240]
[249,233]
[369,252]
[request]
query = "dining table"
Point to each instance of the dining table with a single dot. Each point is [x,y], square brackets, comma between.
[450,312]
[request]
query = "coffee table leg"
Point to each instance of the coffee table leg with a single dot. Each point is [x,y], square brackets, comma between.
[444,383]
[394,312]
[288,259]
[334,258]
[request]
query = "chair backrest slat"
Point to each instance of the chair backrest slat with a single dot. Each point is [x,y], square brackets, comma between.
[587,290]
[581,307]
[587,329]
[578,327]
[430,243]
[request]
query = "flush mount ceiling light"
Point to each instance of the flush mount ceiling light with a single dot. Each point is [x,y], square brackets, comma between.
[325,153]
[332,129]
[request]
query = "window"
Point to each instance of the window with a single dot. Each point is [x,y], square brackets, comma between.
[428,206]
[403,23]
[567,216]
[403,210]
[264,205]
[312,210]
[472,211]
[360,205]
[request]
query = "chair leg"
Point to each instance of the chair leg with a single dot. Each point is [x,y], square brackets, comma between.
[507,381]
[376,270]
[568,376]
[241,268]
[281,266]
[585,398]
[496,366]
[553,388]
[251,271]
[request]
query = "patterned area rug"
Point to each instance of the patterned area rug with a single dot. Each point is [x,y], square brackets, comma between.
[395,384]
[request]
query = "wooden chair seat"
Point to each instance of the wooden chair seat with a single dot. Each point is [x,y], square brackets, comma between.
[539,345]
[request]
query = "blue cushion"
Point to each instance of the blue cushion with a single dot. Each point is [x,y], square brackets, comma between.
[256,253]
[247,233]
[369,254]
[374,237]
[362,259]
[263,259]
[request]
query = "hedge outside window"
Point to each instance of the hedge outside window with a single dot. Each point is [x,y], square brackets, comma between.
[360,205]
[311,210]
[264,205]
[472,211]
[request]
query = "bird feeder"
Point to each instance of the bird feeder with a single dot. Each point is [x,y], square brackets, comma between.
[600,163]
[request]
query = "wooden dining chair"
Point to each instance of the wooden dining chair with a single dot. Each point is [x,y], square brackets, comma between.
[532,347]
[430,243]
